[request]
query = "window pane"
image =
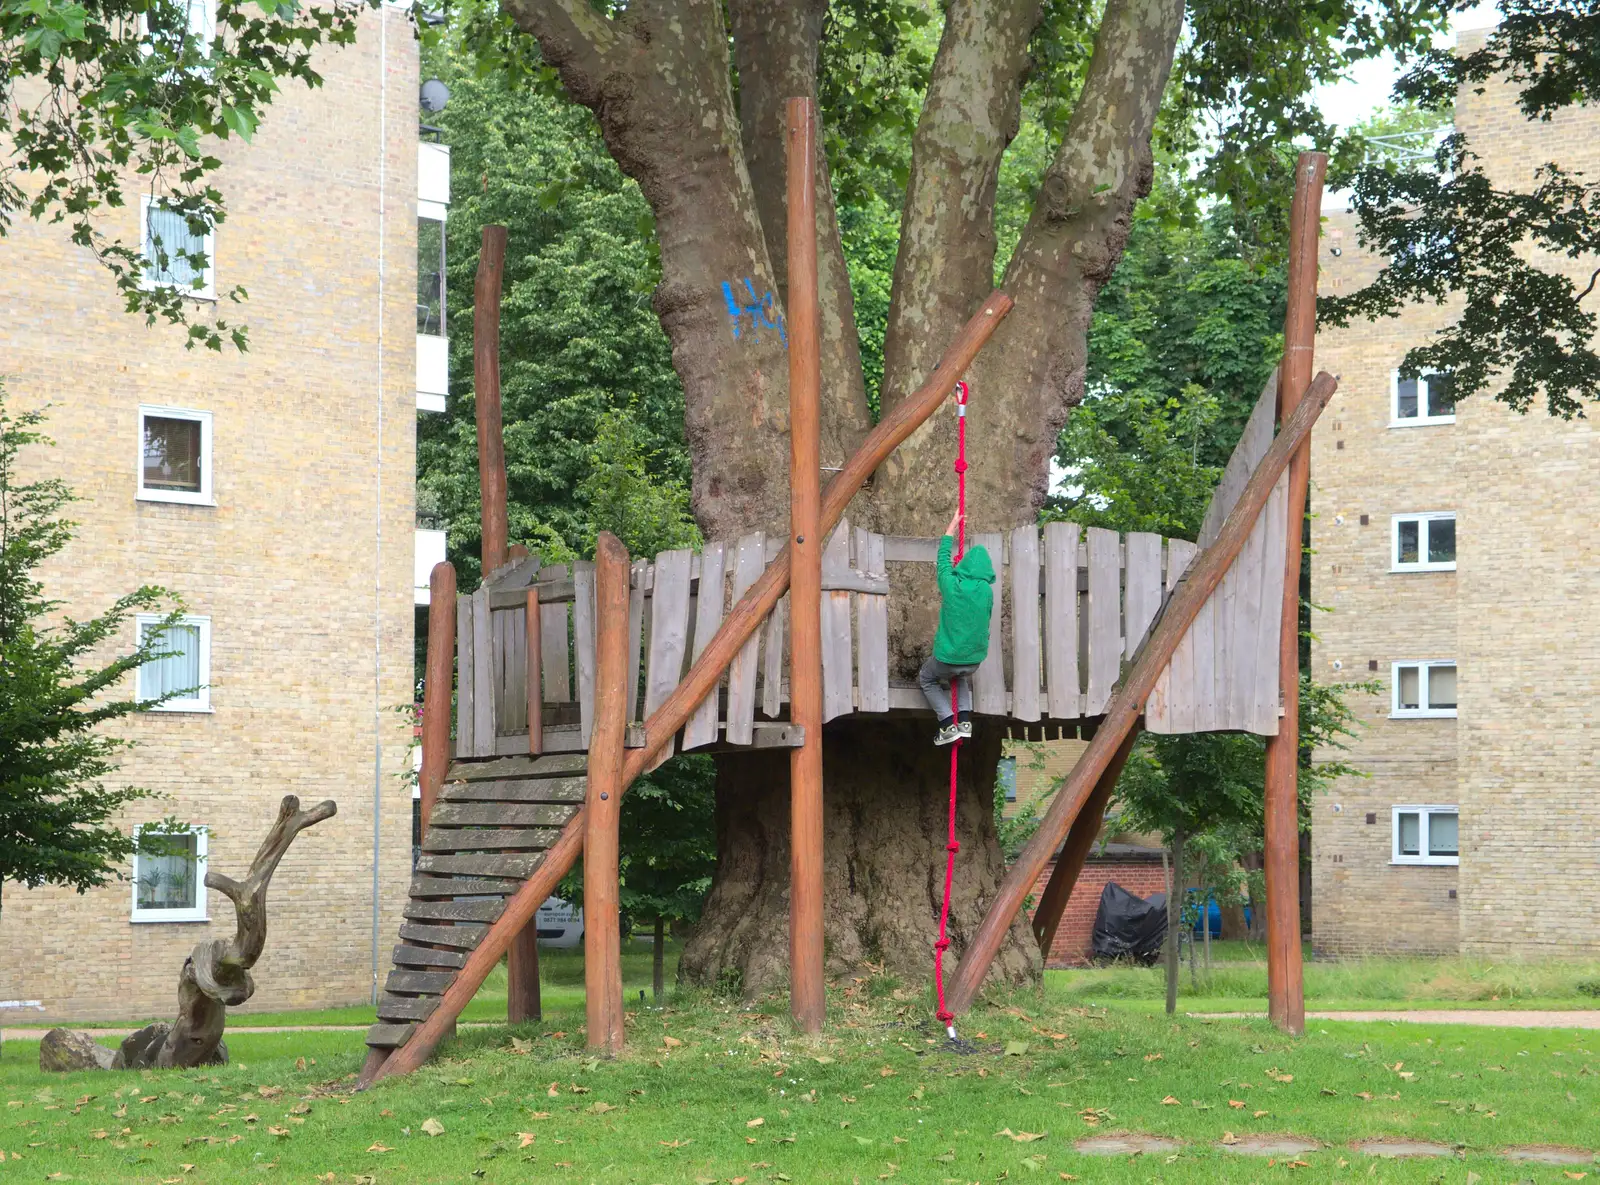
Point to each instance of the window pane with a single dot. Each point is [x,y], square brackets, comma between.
[167,876]
[1406,550]
[1439,387]
[430,276]
[178,668]
[1442,541]
[1406,408]
[1408,693]
[1410,833]
[168,244]
[1442,687]
[1008,777]
[172,454]
[1442,834]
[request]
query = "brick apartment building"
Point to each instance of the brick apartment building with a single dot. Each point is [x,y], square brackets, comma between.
[1455,548]
[273,490]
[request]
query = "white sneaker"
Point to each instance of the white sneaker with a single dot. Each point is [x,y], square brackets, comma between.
[965,729]
[948,735]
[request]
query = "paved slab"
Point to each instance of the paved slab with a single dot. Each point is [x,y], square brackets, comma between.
[1498,1018]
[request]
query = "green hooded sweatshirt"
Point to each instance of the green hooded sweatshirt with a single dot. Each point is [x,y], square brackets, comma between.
[965,602]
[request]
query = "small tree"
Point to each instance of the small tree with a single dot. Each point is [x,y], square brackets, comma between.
[57,813]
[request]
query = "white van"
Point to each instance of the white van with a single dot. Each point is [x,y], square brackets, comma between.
[560,924]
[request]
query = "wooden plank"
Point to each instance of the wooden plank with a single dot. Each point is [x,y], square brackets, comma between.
[515,712]
[1253,444]
[1201,710]
[519,865]
[555,790]
[432,983]
[557,679]
[774,659]
[1142,598]
[1025,623]
[989,681]
[423,956]
[1167,709]
[902,550]
[1104,551]
[1063,691]
[466,737]
[464,937]
[406,1007]
[483,688]
[423,886]
[500,814]
[515,839]
[872,629]
[669,631]
[555,765]
[391,1036]
[702,726]
[478,909]
[748,567]
[639,572]
[1236,633]
[1264,683]
[583,643]
[838,669]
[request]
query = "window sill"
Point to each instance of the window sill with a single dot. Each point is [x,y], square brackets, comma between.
[1427,862]
[154,921]
[199,296]
[175,498]
[182,709]
[1429,422]
[1403,569]
[1425,714]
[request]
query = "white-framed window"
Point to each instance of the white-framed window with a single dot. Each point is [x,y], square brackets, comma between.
[1424,688]
[169,244]
[186,19]
[174,455]
[169,878]
[1424,399]
[183,664]
[1426,835]
[1423,542]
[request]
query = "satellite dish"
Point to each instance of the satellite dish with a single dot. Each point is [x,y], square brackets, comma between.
[435,95]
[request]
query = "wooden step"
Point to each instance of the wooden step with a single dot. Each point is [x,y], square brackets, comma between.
[561,765]
[557,790]
[472,909]
[392,1007]
[423,885]
[427,956]
[519,865]
[514,839]
[459,937]
[431,983]
[390,1036]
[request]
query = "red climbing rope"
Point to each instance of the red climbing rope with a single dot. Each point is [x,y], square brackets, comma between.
[952,845]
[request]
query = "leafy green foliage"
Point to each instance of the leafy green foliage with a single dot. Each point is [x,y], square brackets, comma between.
[94,93]
[1450,232]
[58,818]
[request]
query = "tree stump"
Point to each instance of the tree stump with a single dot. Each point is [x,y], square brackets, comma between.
[217,974]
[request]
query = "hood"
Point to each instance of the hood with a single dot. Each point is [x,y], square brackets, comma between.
[976,565]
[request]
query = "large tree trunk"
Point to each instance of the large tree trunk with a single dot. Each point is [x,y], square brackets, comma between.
[887,794]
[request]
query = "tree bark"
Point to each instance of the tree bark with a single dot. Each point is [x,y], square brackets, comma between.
[884,867]
[658,960]
[217,974]
[1174,922]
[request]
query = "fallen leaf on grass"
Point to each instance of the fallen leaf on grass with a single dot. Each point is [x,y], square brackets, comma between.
[599,1108]
[1229,1138]
[1259,1114]
[539,1115]
[756,1122]
[885,1072]
[1016,1048]
[300,1109]
[1364,1095]
[1169,1101]
[525,1138]
[266,1092]
[554,1091]
[1152,1057]
[521,1045]
[671,1042]
[1574,1176]
[823,1060]
[1277,1076]
[1236,1104]
[280,1132]
[432,1126]
[1328,1090]
[1020,1137]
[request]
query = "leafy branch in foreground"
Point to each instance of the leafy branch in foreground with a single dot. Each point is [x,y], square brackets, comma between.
[94,93]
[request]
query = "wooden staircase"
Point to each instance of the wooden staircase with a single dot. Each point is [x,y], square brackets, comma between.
[490,829]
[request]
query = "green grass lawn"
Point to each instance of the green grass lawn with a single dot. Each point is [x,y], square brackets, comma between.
[710,1092]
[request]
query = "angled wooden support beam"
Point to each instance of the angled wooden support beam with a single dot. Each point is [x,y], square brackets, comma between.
[1286,1005]
[1127,702]
[1069,863]
[744,619]
[602,936]
[807,991]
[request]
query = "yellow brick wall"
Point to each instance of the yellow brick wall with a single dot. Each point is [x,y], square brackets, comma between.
[303,565]
[1520,759]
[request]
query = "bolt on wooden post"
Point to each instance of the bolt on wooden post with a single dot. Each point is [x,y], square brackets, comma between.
[602,938]
[807,1001]
[1286,1005]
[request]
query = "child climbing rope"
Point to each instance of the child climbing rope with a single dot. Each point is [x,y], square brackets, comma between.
[966,600]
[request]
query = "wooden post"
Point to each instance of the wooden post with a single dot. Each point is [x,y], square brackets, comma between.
[535,664]
[486,395]
[602,938]
[1079,841]
[1286,1005]
[1127,702]
[523,1001]
[807,1002]
[736,629]
[438,681]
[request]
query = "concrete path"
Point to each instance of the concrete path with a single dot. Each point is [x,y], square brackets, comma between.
[1499,1018]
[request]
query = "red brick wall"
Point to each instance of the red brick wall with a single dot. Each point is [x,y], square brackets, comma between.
[1073,936]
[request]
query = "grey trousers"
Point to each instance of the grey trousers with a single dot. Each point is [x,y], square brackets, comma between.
[935,679]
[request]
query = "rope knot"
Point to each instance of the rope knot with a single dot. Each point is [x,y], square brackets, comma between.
[942,945]
[961,465]
[945,1015]
[952,846]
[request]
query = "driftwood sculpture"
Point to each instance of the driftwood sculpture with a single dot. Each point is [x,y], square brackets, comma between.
[217,974]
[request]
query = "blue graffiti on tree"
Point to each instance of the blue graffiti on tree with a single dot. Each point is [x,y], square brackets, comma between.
[754,315]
